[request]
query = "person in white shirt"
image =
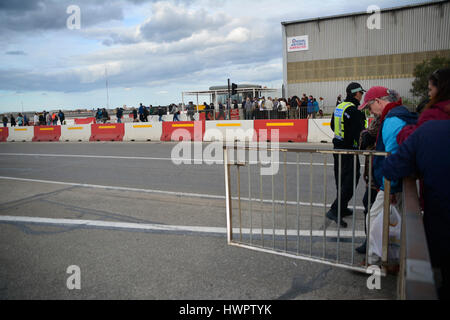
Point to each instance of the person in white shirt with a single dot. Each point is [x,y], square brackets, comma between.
[36,119]
[269,104]
[283,109]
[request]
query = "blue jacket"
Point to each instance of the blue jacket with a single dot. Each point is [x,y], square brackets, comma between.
[394,122]
[427,152]
[316,106]
[310,108]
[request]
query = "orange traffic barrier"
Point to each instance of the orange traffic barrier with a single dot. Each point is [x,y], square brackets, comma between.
[107,132]
[4,132]
[47,133]
[288,130]
[183,131]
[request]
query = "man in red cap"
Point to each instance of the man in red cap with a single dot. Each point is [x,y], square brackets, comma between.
[388,105]
[347,123]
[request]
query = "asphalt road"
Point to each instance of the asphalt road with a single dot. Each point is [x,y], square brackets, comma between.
[141,227]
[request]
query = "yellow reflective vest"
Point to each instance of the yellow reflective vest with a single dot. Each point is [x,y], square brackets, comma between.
[339,119]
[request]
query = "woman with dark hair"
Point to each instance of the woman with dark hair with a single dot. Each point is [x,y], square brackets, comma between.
[439,106]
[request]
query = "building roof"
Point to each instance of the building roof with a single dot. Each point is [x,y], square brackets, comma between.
[423,4]
[240,86]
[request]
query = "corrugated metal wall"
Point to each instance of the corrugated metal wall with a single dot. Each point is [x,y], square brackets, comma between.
[330,90]
[419,29]
[402,31]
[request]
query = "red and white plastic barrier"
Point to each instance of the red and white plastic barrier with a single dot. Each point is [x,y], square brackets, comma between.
[312,131]
[285,130]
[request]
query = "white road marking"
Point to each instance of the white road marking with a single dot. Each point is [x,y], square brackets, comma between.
[172,228]
[205,161]
[173,193]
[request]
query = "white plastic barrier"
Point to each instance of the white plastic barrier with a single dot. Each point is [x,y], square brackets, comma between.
[79,132]
[242,130]
[143,131]
[19,134]
[319,130]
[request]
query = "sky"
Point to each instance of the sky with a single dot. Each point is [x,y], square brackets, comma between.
[149,51]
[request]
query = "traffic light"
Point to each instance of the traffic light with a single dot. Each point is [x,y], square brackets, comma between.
[233,89]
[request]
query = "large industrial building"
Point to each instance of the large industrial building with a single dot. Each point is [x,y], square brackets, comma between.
[321,56]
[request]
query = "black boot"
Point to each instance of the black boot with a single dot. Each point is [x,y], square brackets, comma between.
[333,216]
[362,248]
[347,212]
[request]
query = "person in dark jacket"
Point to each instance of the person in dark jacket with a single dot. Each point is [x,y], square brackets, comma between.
[5,121]
[303,108]
[135,115]
[98,115]
[61,117]
[141,112]
[427,153]
[438,108]
[41,120]
[347,123]
[119,114]
[13,121]
[161,113]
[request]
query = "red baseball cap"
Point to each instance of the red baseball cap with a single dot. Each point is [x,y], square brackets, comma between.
[372,94]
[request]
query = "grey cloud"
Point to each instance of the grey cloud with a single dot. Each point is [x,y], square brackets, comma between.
[16,53]
[138,68]
[170,23]
[27,16]
[18,5]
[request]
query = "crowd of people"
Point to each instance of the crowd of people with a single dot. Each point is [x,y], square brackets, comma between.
[419,146]
[279,108]
[39,119]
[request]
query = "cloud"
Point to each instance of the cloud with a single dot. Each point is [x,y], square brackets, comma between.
[171,23]
[169,44]
[43,15]
[16,53]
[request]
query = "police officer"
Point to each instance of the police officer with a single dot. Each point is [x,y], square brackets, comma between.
[347,123]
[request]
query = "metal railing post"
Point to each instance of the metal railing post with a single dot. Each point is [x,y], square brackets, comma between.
[228,196]
[418,283]
[386,214]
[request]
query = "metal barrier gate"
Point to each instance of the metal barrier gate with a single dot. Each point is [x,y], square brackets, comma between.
[289,219]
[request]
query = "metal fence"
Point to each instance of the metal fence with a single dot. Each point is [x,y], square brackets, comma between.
[284,213]
[415,280]
[258,114]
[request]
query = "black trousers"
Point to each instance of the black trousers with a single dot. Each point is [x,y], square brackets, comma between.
[373,195]
[347,168]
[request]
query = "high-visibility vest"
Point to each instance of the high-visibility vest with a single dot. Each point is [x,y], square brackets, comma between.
[339,119]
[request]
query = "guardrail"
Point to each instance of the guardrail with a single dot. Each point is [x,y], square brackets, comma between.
[415,280]
[274,219]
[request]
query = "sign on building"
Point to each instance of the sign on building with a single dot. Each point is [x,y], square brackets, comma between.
[299,43]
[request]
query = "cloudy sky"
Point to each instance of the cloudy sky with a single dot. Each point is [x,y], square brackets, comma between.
[152,50]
